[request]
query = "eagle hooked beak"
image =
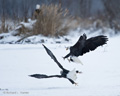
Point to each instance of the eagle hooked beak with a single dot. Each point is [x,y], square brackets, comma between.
[79,72]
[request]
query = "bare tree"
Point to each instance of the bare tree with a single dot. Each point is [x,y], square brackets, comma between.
[85,6]
[3,15]
[26,4]
[112,10]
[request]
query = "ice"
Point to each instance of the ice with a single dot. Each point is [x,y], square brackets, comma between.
[100,77]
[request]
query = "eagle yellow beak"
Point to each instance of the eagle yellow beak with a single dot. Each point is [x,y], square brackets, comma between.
[79,72]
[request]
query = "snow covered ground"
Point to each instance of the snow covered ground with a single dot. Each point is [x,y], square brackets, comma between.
[100,77]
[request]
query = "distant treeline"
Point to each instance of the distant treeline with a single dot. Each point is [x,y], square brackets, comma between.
[82,8]
[20,8]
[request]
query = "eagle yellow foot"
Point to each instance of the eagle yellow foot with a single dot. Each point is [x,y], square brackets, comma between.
[76,84]
[63,58]
[68,59]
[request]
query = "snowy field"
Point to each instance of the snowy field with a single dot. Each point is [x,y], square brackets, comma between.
[100,77]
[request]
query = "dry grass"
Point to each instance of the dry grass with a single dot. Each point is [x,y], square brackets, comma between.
[54,21]
[51,21]
[3,28]
[92,23]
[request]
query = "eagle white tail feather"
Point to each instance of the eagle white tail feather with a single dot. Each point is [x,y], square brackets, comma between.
[76,60]
[72,75]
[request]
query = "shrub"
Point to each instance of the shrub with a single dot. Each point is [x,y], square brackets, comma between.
[51,21]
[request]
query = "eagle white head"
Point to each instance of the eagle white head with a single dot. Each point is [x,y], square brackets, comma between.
[72,74]
[37,6]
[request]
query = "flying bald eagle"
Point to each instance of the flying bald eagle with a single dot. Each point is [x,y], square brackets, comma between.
[70,75]
[84,45]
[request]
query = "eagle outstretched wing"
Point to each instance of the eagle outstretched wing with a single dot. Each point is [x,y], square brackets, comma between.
[94,42]
[54,58]
[42,76]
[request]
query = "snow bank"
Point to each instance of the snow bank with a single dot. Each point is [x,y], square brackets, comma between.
[12,38]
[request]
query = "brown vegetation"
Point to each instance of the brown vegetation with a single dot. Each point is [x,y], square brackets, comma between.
[52,21]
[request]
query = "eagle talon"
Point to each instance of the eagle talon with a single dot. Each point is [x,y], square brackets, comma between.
[68,59]
[84,45]
[63,58]
[76,84]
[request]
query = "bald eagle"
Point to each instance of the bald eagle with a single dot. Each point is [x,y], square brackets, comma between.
[70,75]
[84,45]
